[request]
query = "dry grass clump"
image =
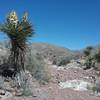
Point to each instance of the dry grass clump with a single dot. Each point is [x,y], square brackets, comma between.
[36,65]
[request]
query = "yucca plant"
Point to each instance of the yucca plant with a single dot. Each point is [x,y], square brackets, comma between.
[18,32]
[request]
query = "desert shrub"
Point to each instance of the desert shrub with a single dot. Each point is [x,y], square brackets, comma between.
[36,65]
[97,66]
[96,87]
[97,56]
[64,61]
[22,82]
[87,51]
[89,48]
[89,63]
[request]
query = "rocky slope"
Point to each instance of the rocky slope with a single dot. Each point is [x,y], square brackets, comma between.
[54,53]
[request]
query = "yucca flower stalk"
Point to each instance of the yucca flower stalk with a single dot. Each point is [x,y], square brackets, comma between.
[18,31]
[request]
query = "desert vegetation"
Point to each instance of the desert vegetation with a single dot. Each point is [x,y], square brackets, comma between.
[44,68]
[18,32]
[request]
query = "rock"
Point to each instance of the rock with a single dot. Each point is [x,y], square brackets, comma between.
[79,85]
[7,96]
[75,71]
[19,92]
[2,92]
[10,89]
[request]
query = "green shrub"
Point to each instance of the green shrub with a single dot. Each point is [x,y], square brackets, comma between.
[87,51]
[97,66]
[97,56]
[89,48]
[89,63]
[64,61]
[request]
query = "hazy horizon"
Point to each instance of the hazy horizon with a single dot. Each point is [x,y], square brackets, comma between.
[73,24]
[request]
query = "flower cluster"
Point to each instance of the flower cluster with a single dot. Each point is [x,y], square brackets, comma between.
[12,18]
[25,17]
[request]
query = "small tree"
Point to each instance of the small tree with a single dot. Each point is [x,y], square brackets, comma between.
[97,56]
[89,60]
[87,51]
[18,32]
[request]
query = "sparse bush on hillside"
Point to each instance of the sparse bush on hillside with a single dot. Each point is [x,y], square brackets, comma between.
[37,67]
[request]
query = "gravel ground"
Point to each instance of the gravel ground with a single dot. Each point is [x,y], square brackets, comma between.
[52,91]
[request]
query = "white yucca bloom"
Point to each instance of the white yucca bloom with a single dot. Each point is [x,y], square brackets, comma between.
[24,18]
[12,18]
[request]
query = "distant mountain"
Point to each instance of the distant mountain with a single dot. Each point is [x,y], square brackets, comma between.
[53,52]
[48,51]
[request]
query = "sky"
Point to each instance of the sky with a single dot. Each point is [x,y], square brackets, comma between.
[73,24]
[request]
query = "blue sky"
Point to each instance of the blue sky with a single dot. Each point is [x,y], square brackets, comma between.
[74,24]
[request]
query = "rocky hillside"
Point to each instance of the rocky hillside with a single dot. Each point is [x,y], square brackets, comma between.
[57,55]
[52,52]
[49,49]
